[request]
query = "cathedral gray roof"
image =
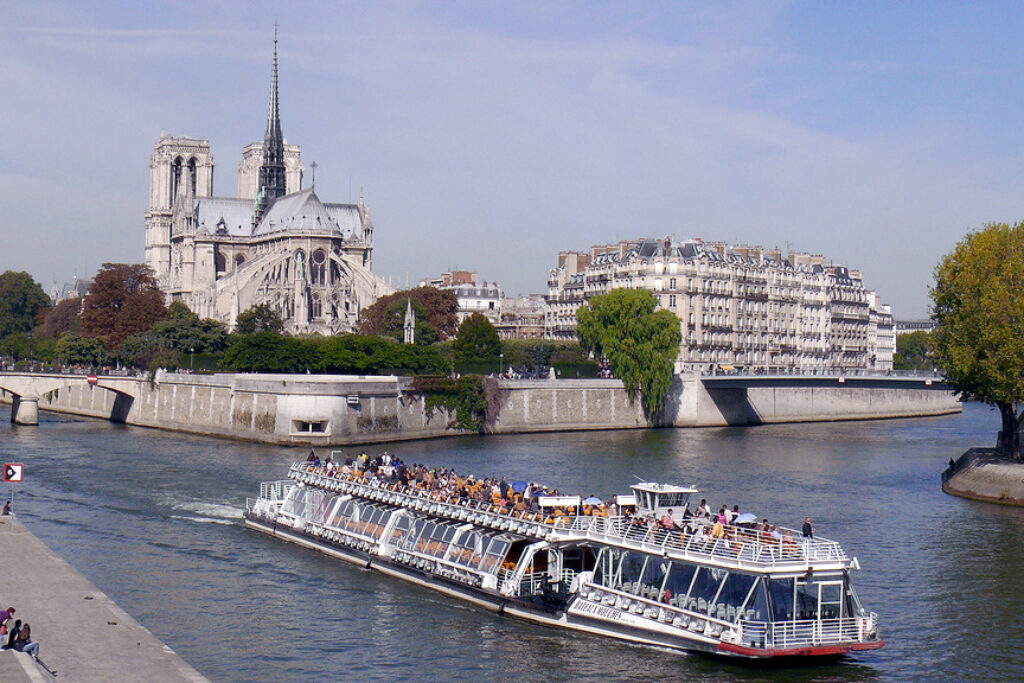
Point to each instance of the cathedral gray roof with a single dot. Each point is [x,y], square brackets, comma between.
[300,211]
[303,211]
[234,216]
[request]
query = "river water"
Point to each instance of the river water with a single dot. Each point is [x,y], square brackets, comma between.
[154,520]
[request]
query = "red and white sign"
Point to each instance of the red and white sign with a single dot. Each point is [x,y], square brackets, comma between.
[92,379]
[13,472]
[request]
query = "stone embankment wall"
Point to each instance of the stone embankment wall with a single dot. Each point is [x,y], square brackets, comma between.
[982,474]
[337,410]
[285,409]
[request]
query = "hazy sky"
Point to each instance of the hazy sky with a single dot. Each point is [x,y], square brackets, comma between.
[490,136]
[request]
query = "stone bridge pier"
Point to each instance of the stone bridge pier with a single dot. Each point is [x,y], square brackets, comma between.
[25,410]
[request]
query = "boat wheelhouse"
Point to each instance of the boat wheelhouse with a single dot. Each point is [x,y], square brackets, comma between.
[742,592]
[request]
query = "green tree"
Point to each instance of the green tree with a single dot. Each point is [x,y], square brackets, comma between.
[978,341]
[365,355]
[75,350]
[435,310]
[17,345]
[123,300]
[259,318]
[270,352]
[639,342]
[184,331]
[21,300]
[912,351]
[477,339]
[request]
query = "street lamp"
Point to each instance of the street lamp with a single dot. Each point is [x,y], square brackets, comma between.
[501,358]
[191,359]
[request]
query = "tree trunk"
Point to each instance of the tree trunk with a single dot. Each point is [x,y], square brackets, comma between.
[1009,441]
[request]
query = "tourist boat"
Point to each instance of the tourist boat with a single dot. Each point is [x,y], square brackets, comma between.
[744,595]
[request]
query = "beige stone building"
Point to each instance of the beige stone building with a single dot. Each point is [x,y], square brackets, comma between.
[740,307]
[276,243]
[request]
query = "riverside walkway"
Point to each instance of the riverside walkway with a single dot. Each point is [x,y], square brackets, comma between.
[83,634]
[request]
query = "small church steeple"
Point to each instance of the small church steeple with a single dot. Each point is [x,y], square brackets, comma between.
[410,323]
[272,181]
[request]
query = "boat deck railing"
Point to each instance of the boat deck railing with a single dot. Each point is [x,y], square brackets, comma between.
[785,635]
[740,547]
[780,635]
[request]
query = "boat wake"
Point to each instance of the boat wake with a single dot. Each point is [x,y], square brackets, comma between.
[208,513]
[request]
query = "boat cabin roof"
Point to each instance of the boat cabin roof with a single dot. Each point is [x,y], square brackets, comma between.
[654,487]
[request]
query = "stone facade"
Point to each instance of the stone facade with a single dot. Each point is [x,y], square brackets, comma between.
[740,307]
[275,244]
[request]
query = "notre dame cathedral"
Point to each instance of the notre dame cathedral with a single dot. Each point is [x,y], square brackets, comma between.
[276,243]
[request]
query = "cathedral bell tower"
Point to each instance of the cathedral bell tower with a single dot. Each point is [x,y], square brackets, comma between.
[272,180]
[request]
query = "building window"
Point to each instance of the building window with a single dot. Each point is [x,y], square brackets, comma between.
[672,301]
[672,283]
[318,269]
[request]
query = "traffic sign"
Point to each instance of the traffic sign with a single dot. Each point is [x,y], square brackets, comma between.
[13,472]
[92,379]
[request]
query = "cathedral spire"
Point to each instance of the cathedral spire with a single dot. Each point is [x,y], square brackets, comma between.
[272,182]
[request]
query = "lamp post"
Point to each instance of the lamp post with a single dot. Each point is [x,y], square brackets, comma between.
[501,365]
[191,359]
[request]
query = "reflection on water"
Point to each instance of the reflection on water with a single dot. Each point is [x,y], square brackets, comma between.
[153,519]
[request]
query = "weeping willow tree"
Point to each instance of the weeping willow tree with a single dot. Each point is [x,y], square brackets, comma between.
[639,342]
[978,341]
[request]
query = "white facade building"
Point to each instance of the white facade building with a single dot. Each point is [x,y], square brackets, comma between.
[473,296]
[740,307]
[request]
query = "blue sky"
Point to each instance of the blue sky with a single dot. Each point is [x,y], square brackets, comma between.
[490,136]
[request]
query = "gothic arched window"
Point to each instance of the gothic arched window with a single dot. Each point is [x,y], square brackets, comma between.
[317,307]
[175,178]
[192,174]
[317,269]
[239,260]
[219,263]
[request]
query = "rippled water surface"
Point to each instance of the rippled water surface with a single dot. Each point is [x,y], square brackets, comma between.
[154,520]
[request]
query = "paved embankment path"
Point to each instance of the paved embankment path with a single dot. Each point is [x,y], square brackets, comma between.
[83,635]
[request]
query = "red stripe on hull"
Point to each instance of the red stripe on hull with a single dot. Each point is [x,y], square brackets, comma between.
[820,651]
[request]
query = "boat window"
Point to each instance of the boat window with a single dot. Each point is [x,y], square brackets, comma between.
[736,589]
[707,583]
[780,591]
[401,530]
[654,576]
[757,608]
[494,555]
[680,577]
[631,568]
[607,568]
[674,500]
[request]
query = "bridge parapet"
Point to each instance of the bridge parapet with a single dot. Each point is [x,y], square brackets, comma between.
[26,388]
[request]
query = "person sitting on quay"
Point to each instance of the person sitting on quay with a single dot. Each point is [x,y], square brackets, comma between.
[13,633]
[25,644]
[5,619]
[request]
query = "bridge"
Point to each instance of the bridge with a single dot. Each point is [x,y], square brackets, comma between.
[24,389]
[859,381]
